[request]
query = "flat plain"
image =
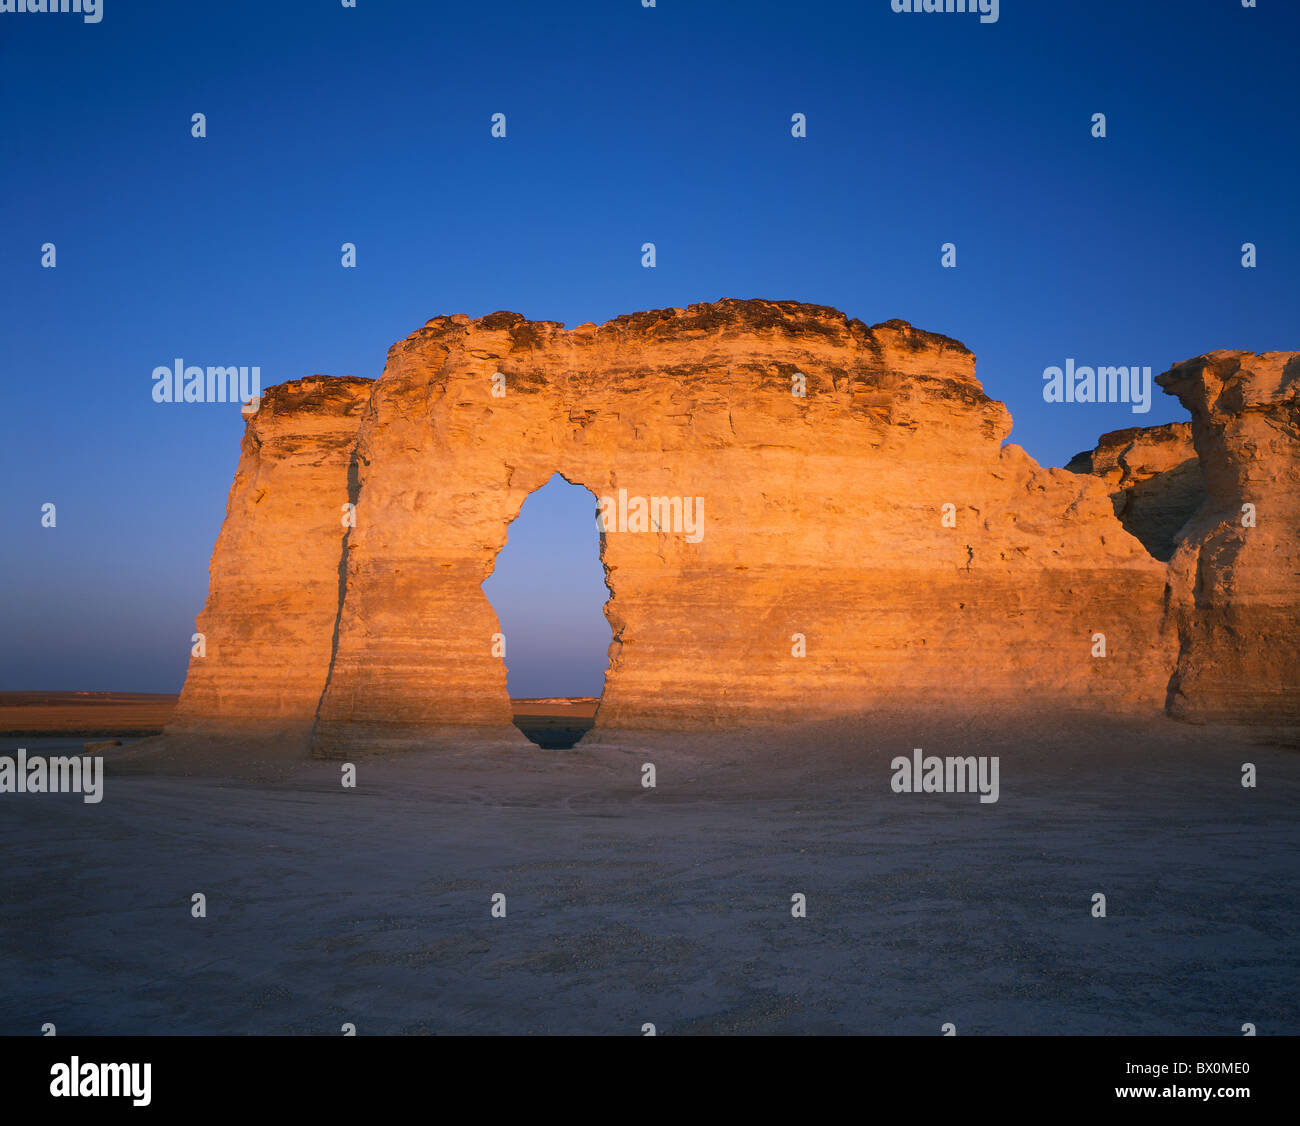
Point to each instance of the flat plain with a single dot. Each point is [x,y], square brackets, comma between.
[671,905]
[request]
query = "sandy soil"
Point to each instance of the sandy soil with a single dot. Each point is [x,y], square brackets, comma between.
[669,905]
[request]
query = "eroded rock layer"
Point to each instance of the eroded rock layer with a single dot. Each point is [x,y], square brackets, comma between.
[836,527]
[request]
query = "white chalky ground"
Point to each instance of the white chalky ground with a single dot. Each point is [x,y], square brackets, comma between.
[672,906]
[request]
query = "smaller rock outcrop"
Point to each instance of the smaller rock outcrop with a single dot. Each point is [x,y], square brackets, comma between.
[1154,478]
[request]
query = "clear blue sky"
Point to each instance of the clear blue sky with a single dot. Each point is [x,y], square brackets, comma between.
[625,125]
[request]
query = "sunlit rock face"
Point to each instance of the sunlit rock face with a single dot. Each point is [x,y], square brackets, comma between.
[806,517]
[1235,576]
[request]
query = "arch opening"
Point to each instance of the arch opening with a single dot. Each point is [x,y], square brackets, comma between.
[548,590]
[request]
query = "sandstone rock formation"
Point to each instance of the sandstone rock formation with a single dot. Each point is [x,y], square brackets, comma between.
[868,543]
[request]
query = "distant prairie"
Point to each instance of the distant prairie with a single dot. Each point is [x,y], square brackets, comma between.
[85,713]
[147,713]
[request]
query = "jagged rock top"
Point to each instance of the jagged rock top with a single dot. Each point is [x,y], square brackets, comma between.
[316,392]
[756,316]
[1228,382]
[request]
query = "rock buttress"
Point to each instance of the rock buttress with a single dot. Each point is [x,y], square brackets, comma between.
[1235,576]
[274,580]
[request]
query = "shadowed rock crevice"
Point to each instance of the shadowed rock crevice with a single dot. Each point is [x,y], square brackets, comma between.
[354,493]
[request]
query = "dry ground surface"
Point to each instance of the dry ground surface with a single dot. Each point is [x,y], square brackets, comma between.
[671,905]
